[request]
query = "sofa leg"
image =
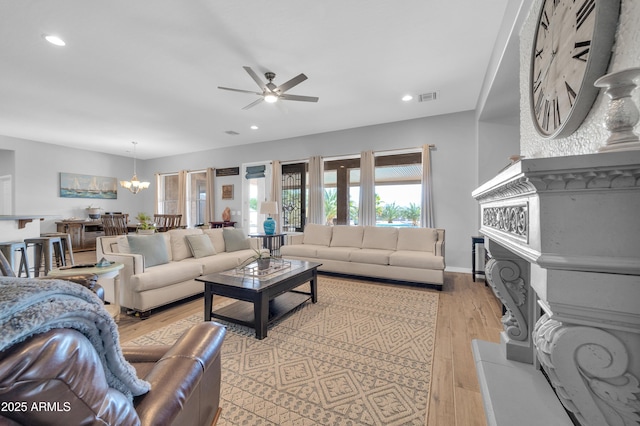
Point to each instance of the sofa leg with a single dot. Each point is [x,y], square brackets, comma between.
[143,315]
[217,416]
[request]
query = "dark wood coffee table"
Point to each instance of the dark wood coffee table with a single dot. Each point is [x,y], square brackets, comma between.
[260,301]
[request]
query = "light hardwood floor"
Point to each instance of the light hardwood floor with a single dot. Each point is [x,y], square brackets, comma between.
[467,310]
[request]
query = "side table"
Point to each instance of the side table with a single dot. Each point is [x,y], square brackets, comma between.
[109,271]
[273,242]
[475,241]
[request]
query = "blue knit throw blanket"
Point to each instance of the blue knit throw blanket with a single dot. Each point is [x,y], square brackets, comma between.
[29,307]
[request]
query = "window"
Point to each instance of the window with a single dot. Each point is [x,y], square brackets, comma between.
[341,191]
[255,189]
[196,197]
[168,193]
[398,188]
[294,197]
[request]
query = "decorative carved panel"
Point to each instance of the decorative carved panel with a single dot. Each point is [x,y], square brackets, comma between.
[513,220]
[589,369]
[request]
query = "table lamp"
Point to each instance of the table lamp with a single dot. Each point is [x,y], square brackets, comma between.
[269,208]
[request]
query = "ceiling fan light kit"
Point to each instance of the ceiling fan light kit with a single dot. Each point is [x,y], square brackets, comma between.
[270,92]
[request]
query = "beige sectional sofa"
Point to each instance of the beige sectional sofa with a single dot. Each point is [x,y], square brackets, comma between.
[144,287]
[403,254]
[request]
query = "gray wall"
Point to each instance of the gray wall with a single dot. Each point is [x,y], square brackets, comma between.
[37,168]
[36,179]
[454,166]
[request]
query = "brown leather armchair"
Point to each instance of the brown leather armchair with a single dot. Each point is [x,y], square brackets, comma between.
[56,378]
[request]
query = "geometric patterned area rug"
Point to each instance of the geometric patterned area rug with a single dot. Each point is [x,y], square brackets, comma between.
[362,355]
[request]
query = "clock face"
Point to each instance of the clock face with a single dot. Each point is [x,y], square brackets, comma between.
[571,49]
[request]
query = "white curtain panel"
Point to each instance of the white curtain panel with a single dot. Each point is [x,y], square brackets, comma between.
[367,208]
[276,191]
[182,194]
[426,211]
[157,197]
[209,212]
[316,190]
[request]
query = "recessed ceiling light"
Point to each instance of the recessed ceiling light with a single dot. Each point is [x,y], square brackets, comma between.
[254,127]
[54,39]
[407,98]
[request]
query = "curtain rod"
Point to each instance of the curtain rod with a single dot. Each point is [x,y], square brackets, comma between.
[431,146]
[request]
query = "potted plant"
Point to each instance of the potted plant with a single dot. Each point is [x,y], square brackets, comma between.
[145,224]
[263,259]
[93,212]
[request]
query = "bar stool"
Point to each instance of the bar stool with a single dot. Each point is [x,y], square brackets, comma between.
[67,248]
[9,250]
[46,247]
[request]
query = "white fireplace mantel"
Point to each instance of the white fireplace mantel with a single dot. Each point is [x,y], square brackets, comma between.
[564,237]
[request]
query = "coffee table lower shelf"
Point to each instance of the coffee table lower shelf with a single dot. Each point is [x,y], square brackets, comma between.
[242,313]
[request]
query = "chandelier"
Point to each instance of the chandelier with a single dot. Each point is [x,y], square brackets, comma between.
[134,185]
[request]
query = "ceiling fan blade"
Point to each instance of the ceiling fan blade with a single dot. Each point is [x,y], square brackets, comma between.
[241,91]
[255,78]
[291,83]
[299,98]
[254,103]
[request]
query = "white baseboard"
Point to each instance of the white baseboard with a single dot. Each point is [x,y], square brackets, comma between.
[457,269]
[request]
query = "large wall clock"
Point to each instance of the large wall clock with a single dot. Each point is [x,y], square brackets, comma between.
[571,49]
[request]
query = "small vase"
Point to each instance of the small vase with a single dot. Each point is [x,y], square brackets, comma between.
[263,263]
[269,226]
[622,114]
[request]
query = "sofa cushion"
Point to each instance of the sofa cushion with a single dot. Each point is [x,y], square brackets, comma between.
[300,250]
[417,239]
[164,275]
[216,237]
[221,261]
[235,239]
[416,259]
[200,245]
[152,247]
[373,256]
[347,236]
[317,234]
[335,253]
[179,248]
[380,238]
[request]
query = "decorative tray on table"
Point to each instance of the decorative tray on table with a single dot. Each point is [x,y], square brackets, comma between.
[251,270]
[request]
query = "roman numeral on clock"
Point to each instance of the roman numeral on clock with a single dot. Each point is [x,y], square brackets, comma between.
[545,117]
[557,121]
[570,93]
[538,106]
[581,56]
[544,21]
[584,12]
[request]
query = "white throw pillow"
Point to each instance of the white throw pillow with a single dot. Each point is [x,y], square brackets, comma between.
[215,235]
[347,236]
[179,247]
[417,239]
[380,238]
[317,234]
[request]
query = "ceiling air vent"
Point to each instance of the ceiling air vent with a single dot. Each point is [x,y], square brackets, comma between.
[429,96]
[232,133]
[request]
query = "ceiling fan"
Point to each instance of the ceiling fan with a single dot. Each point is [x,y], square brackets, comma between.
[270,92]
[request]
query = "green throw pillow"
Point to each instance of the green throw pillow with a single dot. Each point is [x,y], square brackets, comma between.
[152,247]
[235,239]
[200,245]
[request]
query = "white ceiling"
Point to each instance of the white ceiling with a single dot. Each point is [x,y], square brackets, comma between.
[148,70]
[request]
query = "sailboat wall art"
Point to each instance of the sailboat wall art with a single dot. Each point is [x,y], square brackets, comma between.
[73,185]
